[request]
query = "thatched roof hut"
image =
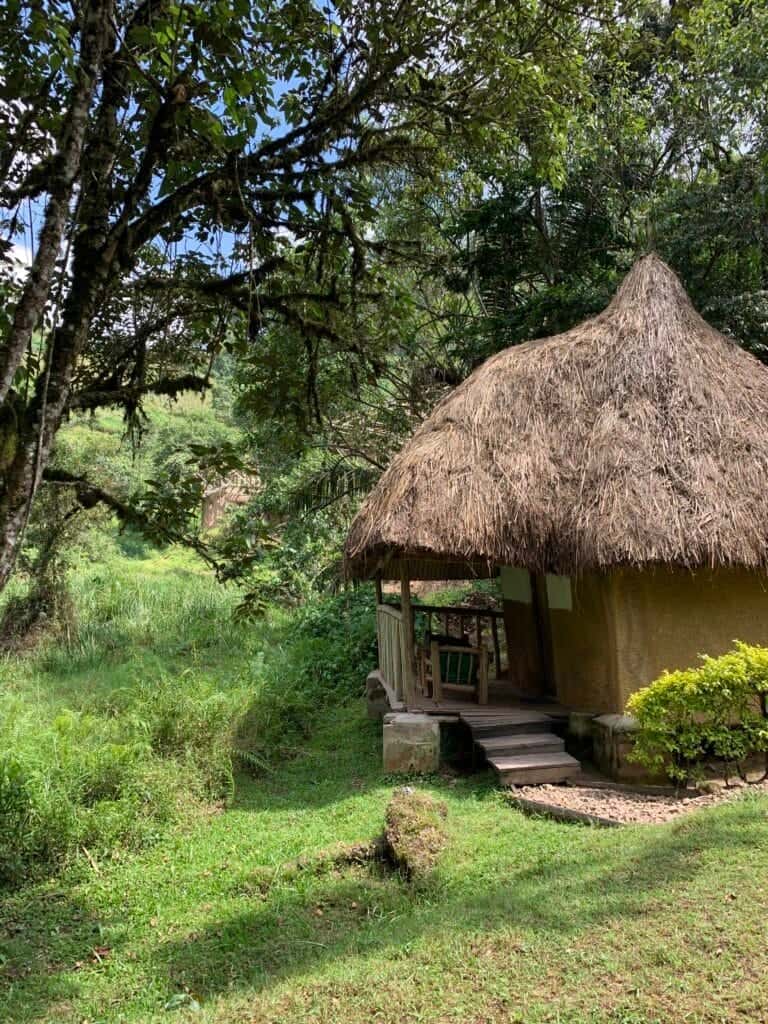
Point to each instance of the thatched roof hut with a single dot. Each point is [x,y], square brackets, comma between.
[615,475]
[638,437]
[237,487]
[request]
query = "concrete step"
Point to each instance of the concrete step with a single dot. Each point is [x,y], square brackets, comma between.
[534,769]
[513,743]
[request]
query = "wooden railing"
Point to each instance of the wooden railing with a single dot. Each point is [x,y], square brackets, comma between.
[482,627]
[389,630]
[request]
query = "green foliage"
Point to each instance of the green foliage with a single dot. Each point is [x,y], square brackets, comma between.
[670,155]
[717,710]
[192,721]
[143,714]
[318,657]
[71,783]
[113,778]
[231,205]
[43,606]
[503,246]
[304,509]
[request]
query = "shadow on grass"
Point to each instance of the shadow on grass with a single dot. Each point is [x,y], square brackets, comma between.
[46,937]
[592,879]
[339,761]
[501,870]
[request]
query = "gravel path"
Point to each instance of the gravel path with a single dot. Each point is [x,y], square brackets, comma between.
[630,808]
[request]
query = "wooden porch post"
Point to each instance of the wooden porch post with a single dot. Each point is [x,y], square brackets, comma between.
[379,638]
[407,634]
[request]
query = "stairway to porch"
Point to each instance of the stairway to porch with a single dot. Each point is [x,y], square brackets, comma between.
[519,745]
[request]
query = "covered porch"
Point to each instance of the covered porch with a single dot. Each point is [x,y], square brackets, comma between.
[438,658]
[479,675]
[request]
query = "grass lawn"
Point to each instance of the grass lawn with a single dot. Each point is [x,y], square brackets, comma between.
[524,920]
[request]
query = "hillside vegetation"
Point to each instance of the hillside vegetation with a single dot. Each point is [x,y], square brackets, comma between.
[141,717]
[179,897]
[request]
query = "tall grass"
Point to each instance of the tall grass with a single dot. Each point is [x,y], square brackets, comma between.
[159,695]
[313,661]
[165,603]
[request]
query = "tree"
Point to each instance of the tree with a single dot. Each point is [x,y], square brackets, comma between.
[672,156]
[669,153]
[193,172]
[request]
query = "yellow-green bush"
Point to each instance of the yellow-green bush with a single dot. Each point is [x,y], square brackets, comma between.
[715,710]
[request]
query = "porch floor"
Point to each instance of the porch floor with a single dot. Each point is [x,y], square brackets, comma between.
[498,704]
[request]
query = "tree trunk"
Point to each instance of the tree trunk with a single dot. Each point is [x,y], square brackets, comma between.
[42,418]
[91,268]
[35,296]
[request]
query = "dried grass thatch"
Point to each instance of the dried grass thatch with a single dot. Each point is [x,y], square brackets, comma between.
[640,436]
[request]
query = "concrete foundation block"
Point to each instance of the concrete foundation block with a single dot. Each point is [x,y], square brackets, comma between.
[411,743]
[578,735]
[580,724]
[613,740]
[376,698]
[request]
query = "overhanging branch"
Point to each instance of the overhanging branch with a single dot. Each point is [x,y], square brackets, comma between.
[89,495]
[97,398]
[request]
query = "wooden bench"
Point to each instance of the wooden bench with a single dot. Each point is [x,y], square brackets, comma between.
[455,669]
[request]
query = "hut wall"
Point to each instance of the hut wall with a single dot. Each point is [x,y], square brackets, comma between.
[665,618]
[525,671]
[584,654]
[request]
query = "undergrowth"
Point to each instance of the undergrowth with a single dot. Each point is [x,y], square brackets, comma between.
[159,696]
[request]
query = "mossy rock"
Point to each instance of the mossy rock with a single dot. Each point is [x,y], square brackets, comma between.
[415,831]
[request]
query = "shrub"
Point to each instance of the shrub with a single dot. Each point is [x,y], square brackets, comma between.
[57,797]
[716,710]
[316,658]
[114,777]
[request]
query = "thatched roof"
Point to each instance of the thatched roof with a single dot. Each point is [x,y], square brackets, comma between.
[640,436]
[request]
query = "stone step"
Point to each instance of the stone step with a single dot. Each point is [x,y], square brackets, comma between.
[510,744]
[534,769]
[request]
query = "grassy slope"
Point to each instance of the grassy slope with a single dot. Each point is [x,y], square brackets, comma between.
[524,920]
[138,615]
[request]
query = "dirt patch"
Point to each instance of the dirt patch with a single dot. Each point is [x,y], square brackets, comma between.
[625,807]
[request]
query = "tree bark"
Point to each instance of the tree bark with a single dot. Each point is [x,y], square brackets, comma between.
[42,417]
[35,296]
[38,429]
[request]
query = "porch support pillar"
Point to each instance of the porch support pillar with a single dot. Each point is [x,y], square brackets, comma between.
[408,640]
[379,638]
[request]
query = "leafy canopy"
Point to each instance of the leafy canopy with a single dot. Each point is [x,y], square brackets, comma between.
[190,175]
